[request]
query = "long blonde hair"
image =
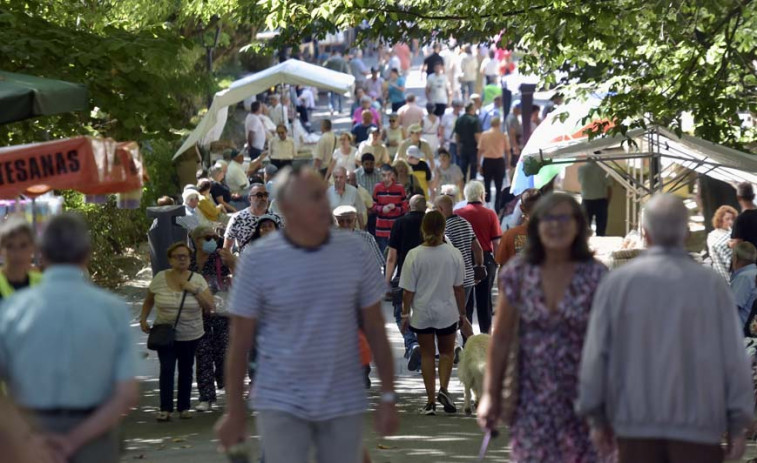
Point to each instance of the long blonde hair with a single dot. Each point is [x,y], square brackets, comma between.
[432,228]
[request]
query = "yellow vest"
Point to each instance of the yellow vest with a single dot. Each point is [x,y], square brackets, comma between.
[6,290]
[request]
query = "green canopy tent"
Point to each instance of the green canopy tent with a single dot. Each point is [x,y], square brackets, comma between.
[23,97]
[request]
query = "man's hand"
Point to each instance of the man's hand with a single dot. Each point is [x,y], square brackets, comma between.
[388,208]
[57,447]
[405,324]
[488,412]
[604,440]
[144,326]
[386,420]
[231,429]
[735,447]
[227,258]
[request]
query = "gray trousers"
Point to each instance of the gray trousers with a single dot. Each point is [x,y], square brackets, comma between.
[104,449]
[288,439]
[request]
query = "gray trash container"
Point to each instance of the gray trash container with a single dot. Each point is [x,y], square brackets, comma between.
[164,232]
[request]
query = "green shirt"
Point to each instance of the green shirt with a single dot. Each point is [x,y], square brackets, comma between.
[594,181]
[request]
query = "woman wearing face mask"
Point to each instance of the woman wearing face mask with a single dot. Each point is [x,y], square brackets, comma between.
[211,349]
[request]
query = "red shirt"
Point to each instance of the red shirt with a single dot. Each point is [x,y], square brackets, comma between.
[484,221]
[383,195]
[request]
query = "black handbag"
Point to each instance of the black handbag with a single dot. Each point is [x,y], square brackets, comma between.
[163,336]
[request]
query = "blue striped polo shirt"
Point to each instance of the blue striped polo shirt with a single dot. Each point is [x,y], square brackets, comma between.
[306,303]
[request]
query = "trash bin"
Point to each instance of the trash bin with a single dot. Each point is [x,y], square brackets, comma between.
[164,232]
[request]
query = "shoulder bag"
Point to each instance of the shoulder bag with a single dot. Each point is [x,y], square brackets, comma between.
[163,336]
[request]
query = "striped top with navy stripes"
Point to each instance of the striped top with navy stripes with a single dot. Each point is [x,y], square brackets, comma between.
[306,303]
[460,234]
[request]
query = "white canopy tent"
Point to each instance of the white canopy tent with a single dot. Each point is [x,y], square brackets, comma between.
[292,72]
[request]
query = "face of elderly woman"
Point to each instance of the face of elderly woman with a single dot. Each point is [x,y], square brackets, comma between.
[558,228]
[179,259]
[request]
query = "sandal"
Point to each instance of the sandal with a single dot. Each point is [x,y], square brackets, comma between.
[163,417]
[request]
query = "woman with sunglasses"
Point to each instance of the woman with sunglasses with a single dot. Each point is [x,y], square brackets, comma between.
[166,292]
[208,262]
[546,295]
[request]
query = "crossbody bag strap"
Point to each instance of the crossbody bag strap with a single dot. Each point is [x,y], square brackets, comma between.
[181,305]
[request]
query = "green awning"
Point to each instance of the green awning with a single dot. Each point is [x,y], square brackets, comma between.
[23,97]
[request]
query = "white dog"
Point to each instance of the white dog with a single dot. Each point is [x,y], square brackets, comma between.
[472,365]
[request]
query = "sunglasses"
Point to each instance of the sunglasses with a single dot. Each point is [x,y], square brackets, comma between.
[209,238]
[260,195]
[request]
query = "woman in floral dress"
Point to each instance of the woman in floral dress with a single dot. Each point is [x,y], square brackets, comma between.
[548,293]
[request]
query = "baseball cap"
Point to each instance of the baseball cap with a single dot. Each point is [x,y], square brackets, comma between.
[475,96]
[415,128]
[413,152]
[372,130]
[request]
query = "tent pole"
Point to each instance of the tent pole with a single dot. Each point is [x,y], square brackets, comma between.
[34,227]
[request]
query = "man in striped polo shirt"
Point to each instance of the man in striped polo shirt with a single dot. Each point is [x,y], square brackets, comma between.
[389,203]
[309,388]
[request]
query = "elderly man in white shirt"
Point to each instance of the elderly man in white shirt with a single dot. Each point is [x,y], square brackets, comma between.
[325,148]
[343,194]
[281,150]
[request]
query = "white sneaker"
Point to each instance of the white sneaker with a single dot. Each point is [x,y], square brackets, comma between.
[204,407]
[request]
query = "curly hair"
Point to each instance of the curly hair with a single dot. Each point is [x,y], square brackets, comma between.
[717,218]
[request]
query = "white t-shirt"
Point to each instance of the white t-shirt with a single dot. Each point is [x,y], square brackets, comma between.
[448,125]
[325,148]
[437,85]
[236,178]
[345,160]
[167,303]
[469,66]
[432,273]
[252,123]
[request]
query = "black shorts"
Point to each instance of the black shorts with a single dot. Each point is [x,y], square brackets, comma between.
[437,331]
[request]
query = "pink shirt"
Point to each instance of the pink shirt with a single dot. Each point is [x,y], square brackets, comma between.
[358,116]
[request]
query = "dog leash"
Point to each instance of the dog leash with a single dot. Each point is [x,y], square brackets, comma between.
[490,433]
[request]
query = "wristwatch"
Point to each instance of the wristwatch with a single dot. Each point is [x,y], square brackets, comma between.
[388,397]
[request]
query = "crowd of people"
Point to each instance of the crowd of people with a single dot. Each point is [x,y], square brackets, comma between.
[283,274]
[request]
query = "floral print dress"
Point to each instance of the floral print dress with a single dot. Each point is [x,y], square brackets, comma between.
[545,428]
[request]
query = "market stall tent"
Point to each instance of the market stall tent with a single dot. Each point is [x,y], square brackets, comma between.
[23,97]
[292,72]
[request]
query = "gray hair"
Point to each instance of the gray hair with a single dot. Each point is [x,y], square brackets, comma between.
[666,220]
[745,252]
[474,191]
[66,240]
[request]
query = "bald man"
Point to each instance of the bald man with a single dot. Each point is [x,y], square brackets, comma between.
[296,298]
[405,235]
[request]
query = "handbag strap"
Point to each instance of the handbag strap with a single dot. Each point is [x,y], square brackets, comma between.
[181,305]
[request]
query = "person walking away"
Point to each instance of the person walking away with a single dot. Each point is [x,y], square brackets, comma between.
[177,288]
[486,226]
[430,128]
[77,395]
[596,191]
[650,297]
[325,148]
[467,133]
[494,149]
[438,91]
[447,129]
[717,240]
[289,421]
[490,68]
[469,68]
[410,113]
[490,111]
[433,306]
[343,194]
[743,279]
[406,235]
[17,251]
[396,90]
[242,225]
[389,203]
[281,150]
[432,60]
[514,130]
[254,131]
[336,63]
[461,235]
[305,106]
[208,262]
[545,302]
[745,226]
[515,239]
[393,135]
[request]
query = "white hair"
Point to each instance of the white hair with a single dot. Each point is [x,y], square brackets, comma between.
[450,189]
[474,191]
[666,220]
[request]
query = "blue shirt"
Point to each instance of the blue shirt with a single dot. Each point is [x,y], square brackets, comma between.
[396,95]
[487,112]
[65,343]
[744,292]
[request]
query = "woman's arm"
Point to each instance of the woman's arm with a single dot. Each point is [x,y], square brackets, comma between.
[146,309]
[205,298]
[407,302]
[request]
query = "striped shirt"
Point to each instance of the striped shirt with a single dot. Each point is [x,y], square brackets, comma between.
[383,195]
[370,241]
[306,303]
[460,234]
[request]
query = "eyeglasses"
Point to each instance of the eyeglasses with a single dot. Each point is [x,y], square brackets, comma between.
[209,238]
[260,195]
[559,218]
[180,256]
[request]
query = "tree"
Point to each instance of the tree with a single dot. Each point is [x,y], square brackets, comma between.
[654,58]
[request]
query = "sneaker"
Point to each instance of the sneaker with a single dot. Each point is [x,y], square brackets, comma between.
[185,415]
[163,417]
[204,407]
[458,350]
[444,399]
[414,361]
[429,409]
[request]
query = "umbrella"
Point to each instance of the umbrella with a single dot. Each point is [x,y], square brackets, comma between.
[23,97]
[85,164]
